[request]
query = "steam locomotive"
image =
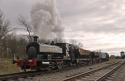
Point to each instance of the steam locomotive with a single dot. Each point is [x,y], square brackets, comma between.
[57,56]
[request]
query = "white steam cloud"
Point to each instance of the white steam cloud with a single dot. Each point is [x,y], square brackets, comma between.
[46,20]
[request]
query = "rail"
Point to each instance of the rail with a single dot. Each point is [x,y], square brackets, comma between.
[91,74]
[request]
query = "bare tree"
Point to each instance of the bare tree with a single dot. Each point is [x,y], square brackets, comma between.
[4,24]
[27,26]
[4,27]
[16,46]
[12,44]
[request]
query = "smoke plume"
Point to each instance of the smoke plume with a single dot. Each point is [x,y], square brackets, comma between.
[46,20]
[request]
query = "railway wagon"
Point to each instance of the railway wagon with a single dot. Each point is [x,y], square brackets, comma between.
[75,55]
[89,57]
[84,56]
[103,56]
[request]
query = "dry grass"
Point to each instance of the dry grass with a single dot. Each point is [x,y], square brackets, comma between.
[6,67]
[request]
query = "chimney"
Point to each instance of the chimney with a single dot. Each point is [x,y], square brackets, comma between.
[35,38]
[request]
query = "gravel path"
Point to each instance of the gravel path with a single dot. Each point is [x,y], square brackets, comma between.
[119,75]
[59,76]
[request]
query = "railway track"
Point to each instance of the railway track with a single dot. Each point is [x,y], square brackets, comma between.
[16,76]
[96,75]
[23,75]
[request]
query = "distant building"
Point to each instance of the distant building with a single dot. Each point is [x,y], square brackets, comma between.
[122,54]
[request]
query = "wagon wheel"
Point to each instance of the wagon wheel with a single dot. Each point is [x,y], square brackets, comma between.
[60,66]
[38,69]
[24,68]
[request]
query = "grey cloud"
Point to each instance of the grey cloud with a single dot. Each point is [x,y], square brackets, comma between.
[85,7]
[14,8]
[86,12]
[83,14]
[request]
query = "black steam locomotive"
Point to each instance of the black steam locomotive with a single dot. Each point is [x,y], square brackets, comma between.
[55,56]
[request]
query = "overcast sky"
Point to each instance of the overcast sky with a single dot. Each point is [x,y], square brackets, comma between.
[98,24]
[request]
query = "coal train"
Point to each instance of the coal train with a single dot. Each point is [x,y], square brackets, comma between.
[57,56]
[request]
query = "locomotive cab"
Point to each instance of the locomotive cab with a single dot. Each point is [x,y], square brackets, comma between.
[32,49]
